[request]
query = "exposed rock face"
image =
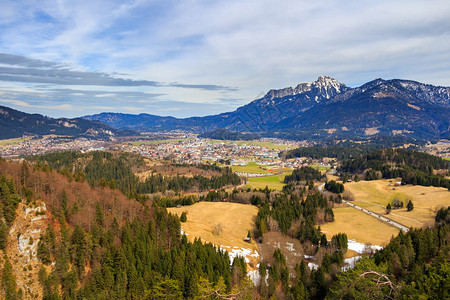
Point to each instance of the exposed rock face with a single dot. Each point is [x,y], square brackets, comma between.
[24,235]
[324,87]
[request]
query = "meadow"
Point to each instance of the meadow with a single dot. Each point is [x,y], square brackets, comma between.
[359,227]
[273,182]
[235,220]
[375,195]
[251,167]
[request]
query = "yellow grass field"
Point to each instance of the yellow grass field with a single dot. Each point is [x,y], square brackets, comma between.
[375,195]
[235,219]
[359,227]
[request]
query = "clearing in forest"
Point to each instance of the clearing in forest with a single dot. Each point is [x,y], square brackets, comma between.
[234,220]
[375,195]
[272,182]
[359,226]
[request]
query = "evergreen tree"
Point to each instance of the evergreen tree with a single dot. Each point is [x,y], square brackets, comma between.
[388,208]
[9,285]
[183,217]
[410,206]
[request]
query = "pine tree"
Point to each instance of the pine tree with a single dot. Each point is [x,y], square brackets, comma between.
[9,285]
[4,233]
[183,217]
[410,206]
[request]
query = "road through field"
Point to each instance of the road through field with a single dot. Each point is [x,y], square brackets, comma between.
[379,217]
[370,213]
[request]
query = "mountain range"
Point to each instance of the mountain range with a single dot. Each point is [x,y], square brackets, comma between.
[323,108]
[14,123]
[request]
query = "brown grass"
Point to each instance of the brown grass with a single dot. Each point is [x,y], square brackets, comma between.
[375,195]
[236,220]
[290,247]
[359,227]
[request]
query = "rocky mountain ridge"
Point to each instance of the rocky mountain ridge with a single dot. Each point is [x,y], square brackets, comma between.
[323,108]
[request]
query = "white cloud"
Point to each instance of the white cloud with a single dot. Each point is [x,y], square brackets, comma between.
[210,46]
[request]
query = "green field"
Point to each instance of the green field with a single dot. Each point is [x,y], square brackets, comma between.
[320,168]
[13,141]
[272,182]
[447,158]
[268,145]
[251,167]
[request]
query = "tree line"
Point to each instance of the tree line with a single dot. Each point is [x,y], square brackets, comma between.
[412,166]
[304,173]
[106,169]
[102,245]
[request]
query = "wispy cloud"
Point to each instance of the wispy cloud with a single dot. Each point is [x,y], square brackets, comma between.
[221,54]
[22,69]
[24,104]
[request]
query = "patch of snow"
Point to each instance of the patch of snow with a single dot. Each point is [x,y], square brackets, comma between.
[255,277]
[360,247]
[313,266]
[290,247]
[243,252]
[350,262]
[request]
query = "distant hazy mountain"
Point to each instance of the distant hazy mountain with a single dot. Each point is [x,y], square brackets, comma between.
[323,108]
[14,123]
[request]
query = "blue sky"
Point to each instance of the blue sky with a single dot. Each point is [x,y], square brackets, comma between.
[194,58]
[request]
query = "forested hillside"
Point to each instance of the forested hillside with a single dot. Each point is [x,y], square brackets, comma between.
[414,265]
[100,244]
[412,166]
[117,170]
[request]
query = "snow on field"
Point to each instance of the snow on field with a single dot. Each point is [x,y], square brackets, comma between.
[360,247]
[290,247]
[313,266]
[237,251]
[350,262]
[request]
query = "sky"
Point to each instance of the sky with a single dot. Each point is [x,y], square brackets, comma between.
[194,58]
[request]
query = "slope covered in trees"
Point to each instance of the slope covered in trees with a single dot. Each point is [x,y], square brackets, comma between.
[100,244]
[412,166]
[116,170]
[348,149]
[412,266]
